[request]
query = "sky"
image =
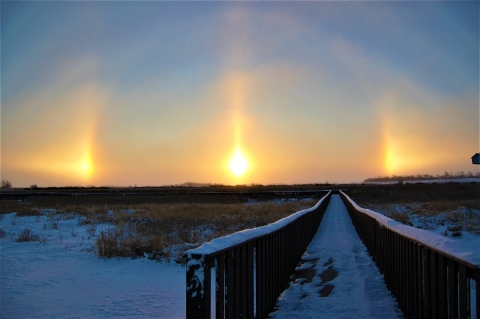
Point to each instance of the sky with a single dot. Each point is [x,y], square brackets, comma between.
[161,93]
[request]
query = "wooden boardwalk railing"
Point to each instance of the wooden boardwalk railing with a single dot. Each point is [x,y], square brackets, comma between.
[251,268]
[430,276]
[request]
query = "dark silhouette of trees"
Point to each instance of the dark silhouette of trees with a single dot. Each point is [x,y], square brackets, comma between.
[6,184]
[418,177]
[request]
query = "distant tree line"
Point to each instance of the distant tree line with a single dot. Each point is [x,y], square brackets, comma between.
[446,175]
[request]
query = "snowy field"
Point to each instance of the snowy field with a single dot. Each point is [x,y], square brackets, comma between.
[461,225]
[59,276]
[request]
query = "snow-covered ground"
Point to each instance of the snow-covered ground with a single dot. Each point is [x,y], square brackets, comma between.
[461,225]
[61,277]
[344,271]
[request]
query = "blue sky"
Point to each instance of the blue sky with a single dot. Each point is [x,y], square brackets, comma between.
[154,93]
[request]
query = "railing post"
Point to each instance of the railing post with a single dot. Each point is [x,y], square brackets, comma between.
[452,278]
[198,286]
[220,291]
[250,280]
[420,281]
[442,287]
[261,278]
[427,281]
[477,292]
[464,293]
[251,274]
[230,299]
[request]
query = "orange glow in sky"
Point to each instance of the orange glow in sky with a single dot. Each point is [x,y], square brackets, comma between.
[86,167]
[160,93]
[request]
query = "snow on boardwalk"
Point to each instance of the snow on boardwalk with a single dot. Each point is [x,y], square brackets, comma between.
[336,277]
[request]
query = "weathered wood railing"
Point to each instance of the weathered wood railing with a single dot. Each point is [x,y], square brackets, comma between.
[251,267]
[430,276]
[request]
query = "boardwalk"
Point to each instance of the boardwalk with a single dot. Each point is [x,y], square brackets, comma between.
[336,277]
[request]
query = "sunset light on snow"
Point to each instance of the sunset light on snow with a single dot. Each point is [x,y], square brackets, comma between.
[161,93]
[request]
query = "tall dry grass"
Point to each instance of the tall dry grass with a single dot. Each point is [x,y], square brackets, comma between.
[20,207]
[160,227]
[167,230]
[457,203]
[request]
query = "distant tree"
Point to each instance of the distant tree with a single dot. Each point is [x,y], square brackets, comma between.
[33,186]
[6,184]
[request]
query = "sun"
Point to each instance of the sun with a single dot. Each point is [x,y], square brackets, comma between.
[238,165]
[85,167]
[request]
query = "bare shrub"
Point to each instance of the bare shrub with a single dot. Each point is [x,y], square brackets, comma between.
[456,230]
[27,235]
[91,229]
[5,184]
[118,243]
[107,244]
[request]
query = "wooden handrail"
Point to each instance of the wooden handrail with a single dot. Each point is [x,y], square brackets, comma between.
[430,276]
[251,267]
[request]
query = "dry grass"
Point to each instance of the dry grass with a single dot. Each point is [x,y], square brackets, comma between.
[27,235]
[415,193]
[457,203]
[154,229]
[160,227]
[398,211]
[21,208]
[118,243]
[165,225]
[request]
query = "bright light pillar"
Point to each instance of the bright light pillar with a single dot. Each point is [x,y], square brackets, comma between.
[238,164]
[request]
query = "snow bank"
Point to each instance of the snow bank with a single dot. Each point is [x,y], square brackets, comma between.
[439,243]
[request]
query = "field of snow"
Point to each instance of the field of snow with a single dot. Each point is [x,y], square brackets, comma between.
[61,277]
[461,225]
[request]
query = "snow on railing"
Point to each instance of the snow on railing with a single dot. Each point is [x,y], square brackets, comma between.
[431,276]
[241,275]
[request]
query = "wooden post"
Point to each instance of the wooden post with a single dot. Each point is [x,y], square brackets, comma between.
[198,286]
[452,278]
[221,286]
[477,292]
[249,276]
[464,294]
[427,286]
[442,288]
